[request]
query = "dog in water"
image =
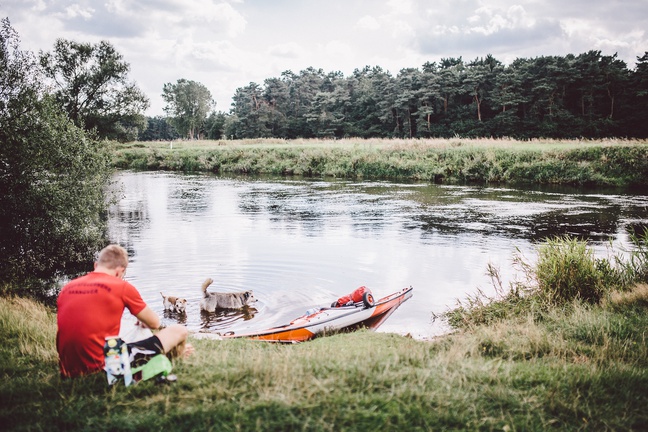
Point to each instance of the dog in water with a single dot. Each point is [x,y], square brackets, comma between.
[220,300]
[174,304]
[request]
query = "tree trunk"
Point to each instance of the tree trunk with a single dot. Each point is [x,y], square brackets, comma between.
[611,96]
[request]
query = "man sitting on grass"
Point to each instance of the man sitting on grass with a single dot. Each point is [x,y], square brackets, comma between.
[90,309]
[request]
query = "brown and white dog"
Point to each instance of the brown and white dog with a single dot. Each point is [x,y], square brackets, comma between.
[174,304]
[224,300]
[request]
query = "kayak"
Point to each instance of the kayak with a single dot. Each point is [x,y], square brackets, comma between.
[319,321]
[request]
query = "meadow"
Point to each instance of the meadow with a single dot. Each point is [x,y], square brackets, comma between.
[563,349]
[612,162]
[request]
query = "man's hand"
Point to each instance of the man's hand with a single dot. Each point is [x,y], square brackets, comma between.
[189,349]
[149,318]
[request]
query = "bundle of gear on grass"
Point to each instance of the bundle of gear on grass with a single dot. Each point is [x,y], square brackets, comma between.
[131,365]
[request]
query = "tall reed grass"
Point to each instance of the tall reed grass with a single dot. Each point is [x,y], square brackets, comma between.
[566,272]
[602,163]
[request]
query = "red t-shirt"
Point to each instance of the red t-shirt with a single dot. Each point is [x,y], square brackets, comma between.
[90,308]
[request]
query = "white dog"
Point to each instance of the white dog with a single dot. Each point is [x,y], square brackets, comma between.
[215,300]
[174,304]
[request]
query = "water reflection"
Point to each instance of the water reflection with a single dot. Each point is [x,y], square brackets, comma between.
[177,317]
[530,220]
[300,243]
[190,197]
[225,318]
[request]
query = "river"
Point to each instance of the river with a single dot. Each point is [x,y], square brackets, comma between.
[299,243]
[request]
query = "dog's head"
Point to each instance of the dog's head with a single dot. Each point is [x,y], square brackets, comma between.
[181,305]
[248,297]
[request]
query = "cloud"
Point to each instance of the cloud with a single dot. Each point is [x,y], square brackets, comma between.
[478,41]
[77,11]
[287,50]
[400,7]
[338,49]
[220,15]
[367,22]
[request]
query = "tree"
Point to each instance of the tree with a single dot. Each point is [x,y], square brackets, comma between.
[52,176]
[158,129]
[252,113]
[91,85]
[479,80]
[408,90]
[372,98]
[188,104]
[215,125]
[638,103]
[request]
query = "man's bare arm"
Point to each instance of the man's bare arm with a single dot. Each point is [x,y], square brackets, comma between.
[149,318]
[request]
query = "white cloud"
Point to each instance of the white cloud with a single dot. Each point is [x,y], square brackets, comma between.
[368,22]
[217,14]
[39,6]
[287,50]
[76,11]
[338,49]
[400,7]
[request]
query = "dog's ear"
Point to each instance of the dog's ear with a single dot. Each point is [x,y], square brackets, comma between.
[246,295]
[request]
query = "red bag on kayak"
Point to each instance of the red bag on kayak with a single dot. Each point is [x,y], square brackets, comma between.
[356,295]
[350,299]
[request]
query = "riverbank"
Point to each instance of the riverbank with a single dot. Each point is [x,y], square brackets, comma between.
[580,368]
[568,352]
[621,163]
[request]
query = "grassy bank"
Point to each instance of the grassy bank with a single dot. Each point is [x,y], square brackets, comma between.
[538,358]
[596,163]
[585,368]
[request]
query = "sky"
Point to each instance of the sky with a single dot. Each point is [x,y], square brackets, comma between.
[227,44]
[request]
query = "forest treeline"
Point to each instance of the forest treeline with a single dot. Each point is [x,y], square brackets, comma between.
[573,96]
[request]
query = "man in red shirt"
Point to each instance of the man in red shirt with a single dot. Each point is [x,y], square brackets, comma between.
[90,308]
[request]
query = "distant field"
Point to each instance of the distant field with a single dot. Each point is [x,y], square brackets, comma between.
[439,143]
[583,162]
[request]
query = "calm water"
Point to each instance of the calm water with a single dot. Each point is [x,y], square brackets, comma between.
[302,243]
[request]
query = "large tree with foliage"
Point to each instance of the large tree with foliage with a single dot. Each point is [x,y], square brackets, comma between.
[187,104]
[91,85]
[52,177]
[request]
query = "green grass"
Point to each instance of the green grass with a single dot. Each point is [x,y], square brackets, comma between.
[543,356]
[582,369]
[596,163]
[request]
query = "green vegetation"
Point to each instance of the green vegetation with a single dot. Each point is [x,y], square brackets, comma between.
[595,163]
[187,103]
[566,273]
[587,95]
[529,361]
[91,86]
[52,178]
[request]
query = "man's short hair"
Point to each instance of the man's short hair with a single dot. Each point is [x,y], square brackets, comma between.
[113,256]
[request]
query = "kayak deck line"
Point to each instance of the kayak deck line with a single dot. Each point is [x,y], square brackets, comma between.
[344,318]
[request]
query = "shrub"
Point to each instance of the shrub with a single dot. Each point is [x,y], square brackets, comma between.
[567,270]
[52,177]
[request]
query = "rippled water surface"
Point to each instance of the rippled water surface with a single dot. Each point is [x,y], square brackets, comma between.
[302,243]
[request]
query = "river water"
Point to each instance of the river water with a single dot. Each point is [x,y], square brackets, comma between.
[299,243]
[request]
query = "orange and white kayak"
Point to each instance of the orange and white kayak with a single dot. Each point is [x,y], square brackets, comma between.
[319,321]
